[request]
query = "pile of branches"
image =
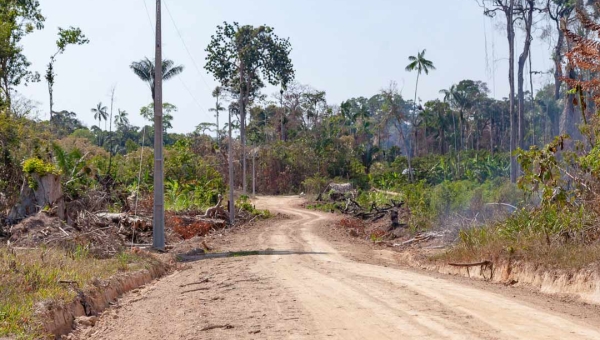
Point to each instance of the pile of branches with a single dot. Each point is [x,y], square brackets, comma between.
[375,213]
[90,235]
[104,234]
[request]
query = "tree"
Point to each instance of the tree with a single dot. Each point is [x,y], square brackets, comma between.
[419,64]
[144,69]
[217,94]
[508,8]
[238,56]
[559,10]
[525,11]
[148,113]
[121,118]
[18,18]
[203,127]
[66,123]
[70,36]
[393,107]
[100,113]
[584,57]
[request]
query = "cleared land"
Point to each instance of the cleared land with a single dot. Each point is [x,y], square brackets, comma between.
[292,283]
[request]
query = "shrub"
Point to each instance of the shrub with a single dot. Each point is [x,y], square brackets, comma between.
[39,167]
[314,185]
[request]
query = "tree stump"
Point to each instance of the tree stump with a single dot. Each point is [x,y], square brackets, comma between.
[47,194]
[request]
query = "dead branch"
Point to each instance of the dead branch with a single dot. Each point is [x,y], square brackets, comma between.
[208,328]
[195,283]
[483,263]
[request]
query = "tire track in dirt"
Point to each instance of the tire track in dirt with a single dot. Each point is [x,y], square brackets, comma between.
[308,290]
[357,300]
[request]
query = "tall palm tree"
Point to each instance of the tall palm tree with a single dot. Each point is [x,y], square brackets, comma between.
[420,65]
[145,70]
[100,112]
[217,93]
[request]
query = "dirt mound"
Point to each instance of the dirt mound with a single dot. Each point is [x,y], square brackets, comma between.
[35,230]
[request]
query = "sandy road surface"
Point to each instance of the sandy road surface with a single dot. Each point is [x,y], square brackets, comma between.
[304,289]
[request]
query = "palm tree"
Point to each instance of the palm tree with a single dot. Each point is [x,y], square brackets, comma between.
[145,70]
[121,118]
[100,113]
[420,65]
[217,93]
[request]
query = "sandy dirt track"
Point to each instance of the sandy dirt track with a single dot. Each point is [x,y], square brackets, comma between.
[301,287]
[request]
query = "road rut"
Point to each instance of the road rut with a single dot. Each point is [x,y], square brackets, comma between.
[300,287]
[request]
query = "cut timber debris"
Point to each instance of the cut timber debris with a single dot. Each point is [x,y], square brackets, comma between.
[337,192]
[217,212]
[419,238]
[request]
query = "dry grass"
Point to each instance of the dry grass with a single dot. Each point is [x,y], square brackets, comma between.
[534,250]
[30,276]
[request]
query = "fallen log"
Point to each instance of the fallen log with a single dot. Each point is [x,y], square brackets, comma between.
[483,265]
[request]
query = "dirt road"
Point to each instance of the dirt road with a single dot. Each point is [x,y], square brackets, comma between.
[300,287]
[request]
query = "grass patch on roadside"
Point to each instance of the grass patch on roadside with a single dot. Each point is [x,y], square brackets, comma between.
[324,207]
[553,236]
[28,277]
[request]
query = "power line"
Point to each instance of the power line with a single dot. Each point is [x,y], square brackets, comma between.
[192,95]
[185,46]
[148,14]
[179,77]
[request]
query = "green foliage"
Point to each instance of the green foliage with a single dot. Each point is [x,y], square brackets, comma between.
[244,203]
[39,167]
[145,68]
[238,52]
[70,36]
[168,109]
[29,277]
[315,185]
[531,230]
[542,172]
[325,207]
[452,196]
[17,19]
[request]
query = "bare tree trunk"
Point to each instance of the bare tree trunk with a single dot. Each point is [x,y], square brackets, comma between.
[231,204]
[282,116]
[510,33]
[253,173]
[528,20]
[242,108]
[218,127]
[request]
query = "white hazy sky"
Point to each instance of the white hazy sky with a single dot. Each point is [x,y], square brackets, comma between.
[348,48]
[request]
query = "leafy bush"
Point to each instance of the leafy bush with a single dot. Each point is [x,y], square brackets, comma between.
[314,185]
[39,167]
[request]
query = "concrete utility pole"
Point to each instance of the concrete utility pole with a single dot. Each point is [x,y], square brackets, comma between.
[158,230]
[230,154]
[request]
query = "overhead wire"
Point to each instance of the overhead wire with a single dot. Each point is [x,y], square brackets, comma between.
[185,45]
[187,50]
[148,14]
